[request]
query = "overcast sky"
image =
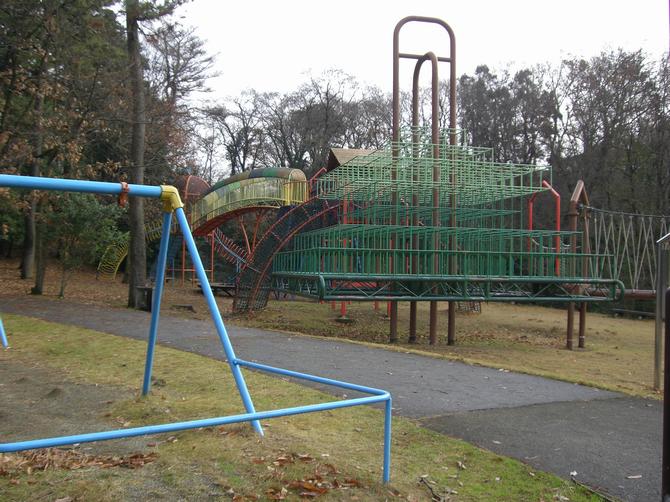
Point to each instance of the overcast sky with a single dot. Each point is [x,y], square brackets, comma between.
[273,45]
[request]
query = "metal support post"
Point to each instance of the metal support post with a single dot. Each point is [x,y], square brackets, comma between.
[412,322]
[451,324]
[3,335]
[571,325]
[661,285]
[432,329]
[665,472]
[582,326]
[578,196]
[387,440]
[393,321]
[216,316]
[157,296]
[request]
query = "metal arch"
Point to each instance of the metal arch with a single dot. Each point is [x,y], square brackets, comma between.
[213,223]
[262,273]
[397,55]
[429,56]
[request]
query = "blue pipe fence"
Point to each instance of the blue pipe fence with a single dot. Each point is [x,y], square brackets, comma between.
[172,204]
[3,335]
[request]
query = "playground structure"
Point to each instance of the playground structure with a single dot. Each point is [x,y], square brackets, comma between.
[172,204]
[257,192]
[428,218]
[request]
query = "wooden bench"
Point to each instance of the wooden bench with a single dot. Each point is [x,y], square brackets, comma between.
[633,313]
[226,288]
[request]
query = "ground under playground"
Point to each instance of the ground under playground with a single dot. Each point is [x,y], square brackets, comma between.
[427,219]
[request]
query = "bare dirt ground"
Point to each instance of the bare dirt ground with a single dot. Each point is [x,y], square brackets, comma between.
[39,398]
[44,399]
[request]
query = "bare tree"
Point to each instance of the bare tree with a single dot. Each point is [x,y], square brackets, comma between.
[238,123]
[286,131]
[368,120]
[208,143]
[179,63]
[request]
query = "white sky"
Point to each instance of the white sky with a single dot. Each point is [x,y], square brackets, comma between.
[271,45]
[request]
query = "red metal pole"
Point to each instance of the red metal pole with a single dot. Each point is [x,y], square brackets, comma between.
[557,215]
[531,203]
[316,175]
[256,226]
[244,233]
[183,262]
[211,256]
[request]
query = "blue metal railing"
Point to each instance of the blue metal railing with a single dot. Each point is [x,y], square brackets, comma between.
[252,416]
[3,335]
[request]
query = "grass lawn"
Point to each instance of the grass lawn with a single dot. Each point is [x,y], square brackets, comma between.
[76,378]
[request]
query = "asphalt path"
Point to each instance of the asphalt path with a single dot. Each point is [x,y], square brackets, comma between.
[612,441]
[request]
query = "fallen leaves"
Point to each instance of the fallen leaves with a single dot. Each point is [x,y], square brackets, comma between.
[53,458]
[323,479]
[312,486]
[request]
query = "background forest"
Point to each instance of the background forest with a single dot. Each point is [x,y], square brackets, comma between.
[105,90]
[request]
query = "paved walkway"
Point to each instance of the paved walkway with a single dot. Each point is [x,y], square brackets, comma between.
[554,426]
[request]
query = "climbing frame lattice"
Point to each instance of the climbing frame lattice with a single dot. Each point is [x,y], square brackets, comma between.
[401,232]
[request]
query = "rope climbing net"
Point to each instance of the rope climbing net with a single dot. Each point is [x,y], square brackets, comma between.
[630,240]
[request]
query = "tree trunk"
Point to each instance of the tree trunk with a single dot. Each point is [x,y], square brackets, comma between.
[137,251]
[28,256]
[64,278]
[40,260]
